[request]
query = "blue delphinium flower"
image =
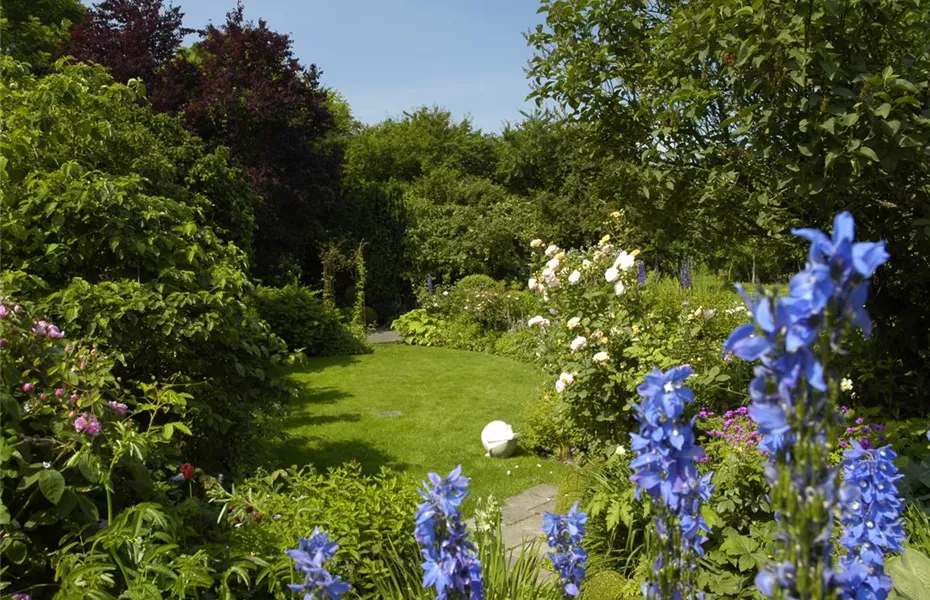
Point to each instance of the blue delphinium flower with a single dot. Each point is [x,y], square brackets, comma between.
[794,398]
[564,534]
[450,561]
[309,557]
[871,517]
[685,277]
[641,275]
[665,469]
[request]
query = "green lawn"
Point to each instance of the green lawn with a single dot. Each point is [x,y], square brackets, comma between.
[445,398]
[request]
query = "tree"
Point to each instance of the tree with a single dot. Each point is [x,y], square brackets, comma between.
[32,31]
[242,87]
[135,38]
[729,123]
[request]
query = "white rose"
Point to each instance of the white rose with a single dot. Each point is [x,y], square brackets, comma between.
[538,320]
[536,243]
[620,450]
[611,274]
[578,343]
[553,282]
[619,288]
[625,261]
[548,273]
[575,277]
[552,250]
[601,357]
[554,263]
[560,386]
[586,263]
[568,378]
[574,322]
[532,283]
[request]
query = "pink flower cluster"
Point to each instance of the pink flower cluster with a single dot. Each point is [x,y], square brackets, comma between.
[869,435]
[736,427]
[46,329]
[87,424]
[118,408]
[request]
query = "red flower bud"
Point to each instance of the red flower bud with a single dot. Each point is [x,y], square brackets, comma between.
[187,470]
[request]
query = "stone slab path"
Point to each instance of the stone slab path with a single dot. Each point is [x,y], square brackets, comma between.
[384,336]
[522,520]
[522,515]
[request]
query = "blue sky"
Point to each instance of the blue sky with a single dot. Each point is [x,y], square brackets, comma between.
[389,56]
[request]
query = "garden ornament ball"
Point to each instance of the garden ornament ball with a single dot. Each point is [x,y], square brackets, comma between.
[499,439]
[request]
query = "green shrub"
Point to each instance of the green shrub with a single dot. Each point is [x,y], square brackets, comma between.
[546,428]
[88,507]
[299,317]
[419,328]
[119,226]
[521,343]
[371,517]
[610,585]
[571,489]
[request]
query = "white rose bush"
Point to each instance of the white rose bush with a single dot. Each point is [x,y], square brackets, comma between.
[605,328]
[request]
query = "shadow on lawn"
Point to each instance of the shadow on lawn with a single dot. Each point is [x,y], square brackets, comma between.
[314,364]
[309,395]
[324,454]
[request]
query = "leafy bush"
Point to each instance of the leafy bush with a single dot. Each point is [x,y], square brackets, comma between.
[546,428]
[371,517]
[418,328]
[608,330]
[522,344]
[107,228]
[88,507]
[298,316]
[610,585]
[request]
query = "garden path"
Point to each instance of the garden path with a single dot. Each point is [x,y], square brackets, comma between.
[384,336]
[522,520]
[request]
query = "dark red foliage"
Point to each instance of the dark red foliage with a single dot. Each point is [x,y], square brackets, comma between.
[135,38]
[242,87]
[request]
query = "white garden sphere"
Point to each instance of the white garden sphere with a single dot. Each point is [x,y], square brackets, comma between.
[498,439]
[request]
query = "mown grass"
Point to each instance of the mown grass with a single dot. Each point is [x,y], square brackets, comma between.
[444,397]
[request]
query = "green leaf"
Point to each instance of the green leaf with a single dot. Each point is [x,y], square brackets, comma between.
[16,552]
[883,111]
[52,485]
[868,153]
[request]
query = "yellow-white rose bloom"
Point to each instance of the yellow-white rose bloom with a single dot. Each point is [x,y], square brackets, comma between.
[537,243]
[538,320]
[575,277]
[552,249]
[846,384]
[601,357]
[578,343]
[611,274]
[625,261]
[619,288]
[565,380]
[574,322]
